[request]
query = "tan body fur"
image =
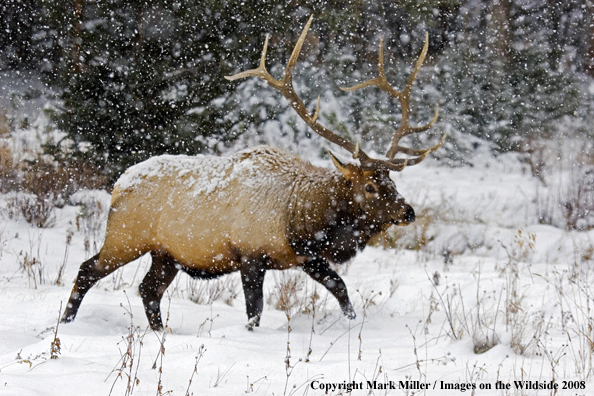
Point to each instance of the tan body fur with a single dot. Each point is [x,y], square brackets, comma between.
[263,197]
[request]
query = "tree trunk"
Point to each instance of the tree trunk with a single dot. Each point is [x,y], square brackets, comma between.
[589,67]
[498,30]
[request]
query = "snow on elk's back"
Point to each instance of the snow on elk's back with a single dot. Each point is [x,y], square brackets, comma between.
[205,174]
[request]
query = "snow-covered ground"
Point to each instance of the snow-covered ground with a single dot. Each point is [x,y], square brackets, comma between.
[482,294]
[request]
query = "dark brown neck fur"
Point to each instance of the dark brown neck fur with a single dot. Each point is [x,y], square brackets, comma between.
[325,221]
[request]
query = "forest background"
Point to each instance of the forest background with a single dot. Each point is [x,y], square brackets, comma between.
[124,80]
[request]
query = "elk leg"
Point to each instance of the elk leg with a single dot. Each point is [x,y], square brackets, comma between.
[158,278]
[91,271]
[252,278]
[88,275]
[320,271]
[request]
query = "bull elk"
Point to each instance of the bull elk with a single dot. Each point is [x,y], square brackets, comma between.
[257,210]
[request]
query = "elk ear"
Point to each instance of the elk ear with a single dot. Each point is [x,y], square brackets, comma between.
[348,173]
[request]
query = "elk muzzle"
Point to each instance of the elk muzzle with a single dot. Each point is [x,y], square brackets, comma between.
[405,216]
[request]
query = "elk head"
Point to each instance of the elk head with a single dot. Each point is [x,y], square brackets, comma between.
[372,188]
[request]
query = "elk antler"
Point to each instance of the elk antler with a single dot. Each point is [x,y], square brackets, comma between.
[404,128]
[285,86]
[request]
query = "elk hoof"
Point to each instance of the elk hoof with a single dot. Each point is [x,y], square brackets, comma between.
[67,318]
[349,312]
[253,322]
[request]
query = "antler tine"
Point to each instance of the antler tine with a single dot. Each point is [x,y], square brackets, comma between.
[260,71]
[419,152]
[288,79]
[399,164]
[428,125]
[380,81]
[285,86]
[403,96]
[418,65]
[404,127]
[314,119]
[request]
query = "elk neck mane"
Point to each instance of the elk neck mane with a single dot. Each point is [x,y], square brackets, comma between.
[323,216]
[313,194]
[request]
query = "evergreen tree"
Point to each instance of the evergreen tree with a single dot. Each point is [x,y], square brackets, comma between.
[139,79]
[506,88]
[544,90]
[20,21]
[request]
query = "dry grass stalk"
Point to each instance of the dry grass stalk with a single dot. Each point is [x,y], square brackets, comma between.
[286,294]
[56,344]
[367,302]
[69,235]
[201,351]
[130,359]
[91,221]
[205,292]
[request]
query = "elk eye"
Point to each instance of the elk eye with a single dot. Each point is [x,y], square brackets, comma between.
[370,189]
